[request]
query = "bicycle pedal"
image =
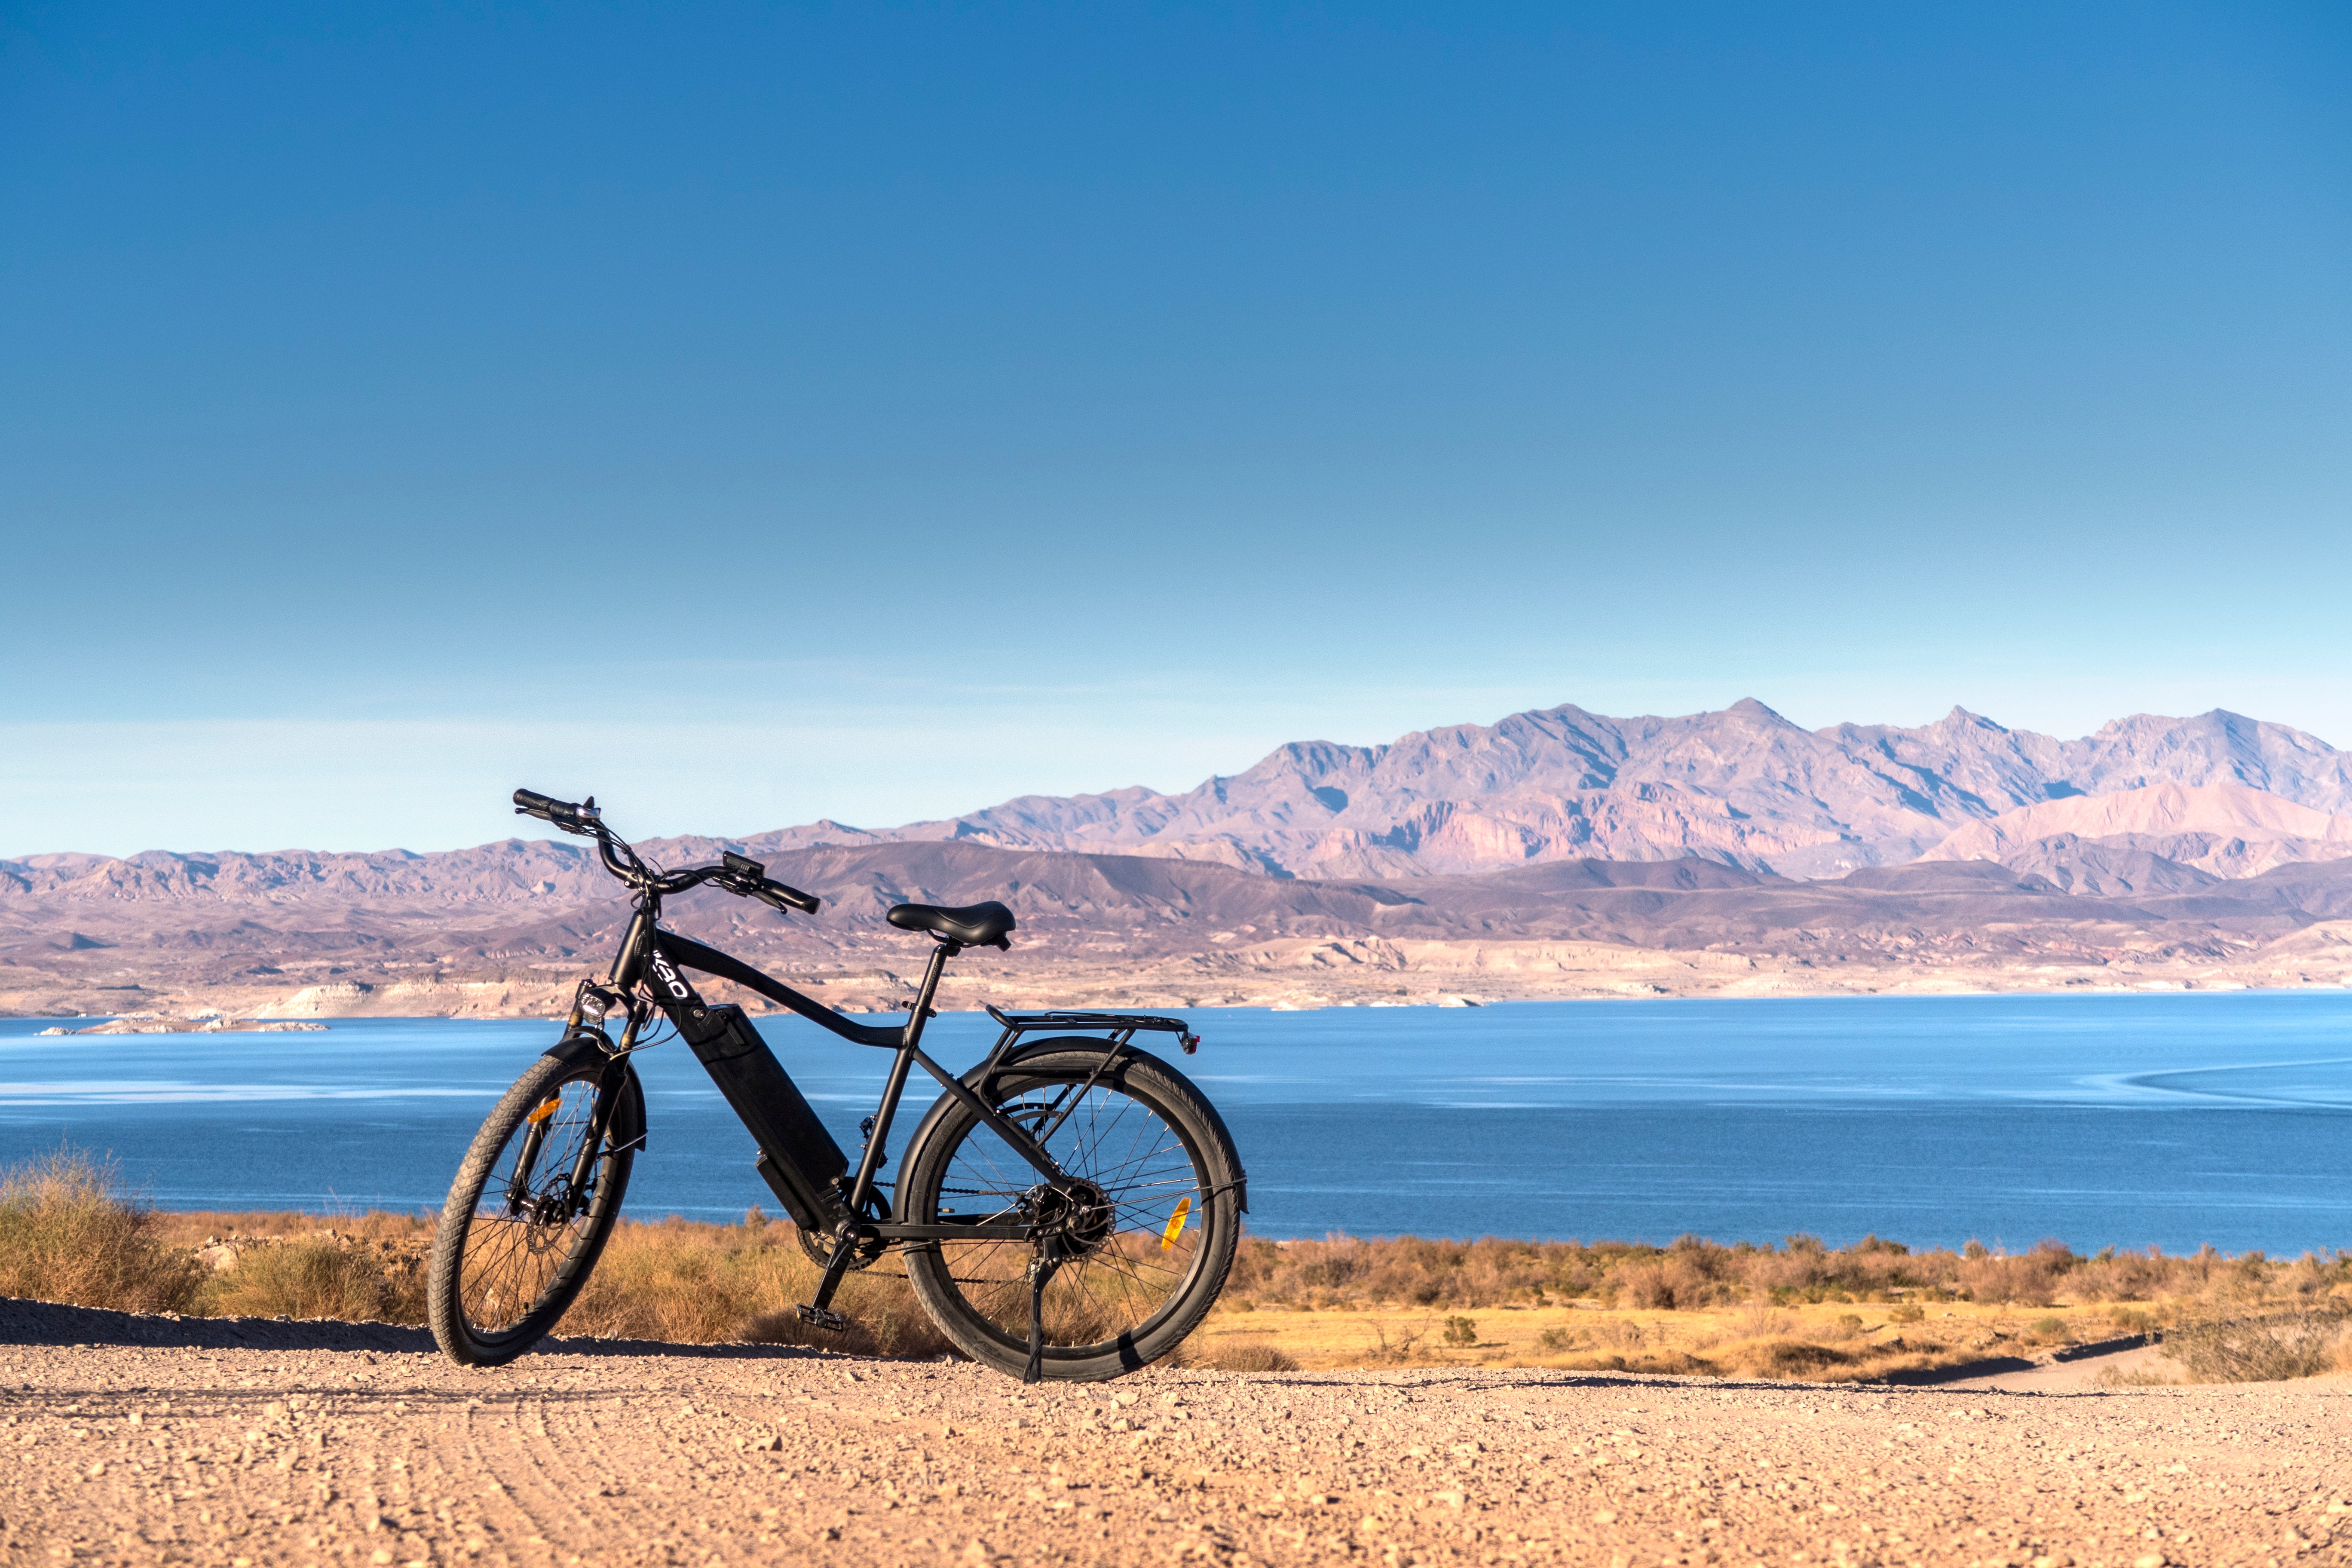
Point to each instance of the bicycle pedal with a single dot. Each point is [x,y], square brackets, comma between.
[823,1318]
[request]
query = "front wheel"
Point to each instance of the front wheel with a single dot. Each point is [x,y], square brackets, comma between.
[1146,1222]
[531,1207]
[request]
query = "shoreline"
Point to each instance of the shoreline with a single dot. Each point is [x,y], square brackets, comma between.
[215,1010]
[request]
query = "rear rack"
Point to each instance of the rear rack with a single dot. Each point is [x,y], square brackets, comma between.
[1121,1027]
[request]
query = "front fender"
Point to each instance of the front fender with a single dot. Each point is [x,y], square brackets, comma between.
[629,1116]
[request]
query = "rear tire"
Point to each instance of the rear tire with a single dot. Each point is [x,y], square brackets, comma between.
[511,1253]
[1153,1258]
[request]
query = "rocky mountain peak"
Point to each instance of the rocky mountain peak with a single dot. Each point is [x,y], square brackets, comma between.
[1742,787]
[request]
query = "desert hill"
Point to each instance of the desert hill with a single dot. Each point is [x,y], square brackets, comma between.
[506,927]
[2164,837]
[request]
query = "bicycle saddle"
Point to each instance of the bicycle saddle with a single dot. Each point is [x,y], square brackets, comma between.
[974,925]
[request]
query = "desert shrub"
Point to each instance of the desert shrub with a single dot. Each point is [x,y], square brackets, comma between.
[1790,1358]
[1623,1333]
[1250,1354]
[68,1233]
[310,1278]
[1679,1280]
[2139,1377]
[2050,1328]
[2264,1348]
[2136,1275]
[1554,1339]
[1906,1314]
[2027,1280]
[1461,1332]
[1394,1345]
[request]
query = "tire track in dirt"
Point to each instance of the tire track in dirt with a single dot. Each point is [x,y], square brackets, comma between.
[140,1452]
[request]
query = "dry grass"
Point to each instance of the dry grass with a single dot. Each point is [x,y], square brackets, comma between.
[1693,1274]
[2260,1348]
[1232,1355]
[1800,1309]
[694,1284]
[315,1276]
[66,1234]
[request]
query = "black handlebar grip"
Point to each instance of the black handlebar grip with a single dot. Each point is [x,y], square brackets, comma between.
[536,804]
[807,903]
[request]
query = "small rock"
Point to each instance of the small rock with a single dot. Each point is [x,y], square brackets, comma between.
[2153,1560]
[1606,1516]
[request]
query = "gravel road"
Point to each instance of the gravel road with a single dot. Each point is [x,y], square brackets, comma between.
[144,1439]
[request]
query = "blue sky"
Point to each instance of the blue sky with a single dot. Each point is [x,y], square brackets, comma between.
[754,414]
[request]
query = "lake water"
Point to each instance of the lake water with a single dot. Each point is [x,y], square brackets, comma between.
[2127,1121]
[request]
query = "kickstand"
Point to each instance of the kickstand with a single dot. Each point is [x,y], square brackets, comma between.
[820,1313]
[1040,1274]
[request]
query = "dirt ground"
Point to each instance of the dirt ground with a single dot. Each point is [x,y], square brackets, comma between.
[247,1442]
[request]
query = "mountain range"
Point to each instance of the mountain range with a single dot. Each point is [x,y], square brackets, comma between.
[1743,787]
[1553,853]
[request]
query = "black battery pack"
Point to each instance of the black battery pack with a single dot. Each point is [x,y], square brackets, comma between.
[798,1158]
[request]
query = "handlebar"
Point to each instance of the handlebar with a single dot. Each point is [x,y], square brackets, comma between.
[738,874]
[580,818]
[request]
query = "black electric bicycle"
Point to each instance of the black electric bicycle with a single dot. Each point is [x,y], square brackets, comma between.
[1067,1209]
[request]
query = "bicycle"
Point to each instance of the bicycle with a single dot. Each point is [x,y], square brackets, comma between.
[1067,1209]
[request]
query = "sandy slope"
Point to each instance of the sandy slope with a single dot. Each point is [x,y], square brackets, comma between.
[141,1440]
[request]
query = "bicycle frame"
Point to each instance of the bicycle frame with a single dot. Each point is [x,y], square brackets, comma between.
[1073,1090]
[649,972]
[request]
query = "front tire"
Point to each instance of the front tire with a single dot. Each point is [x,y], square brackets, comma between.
[1150,1267]
[515,1245]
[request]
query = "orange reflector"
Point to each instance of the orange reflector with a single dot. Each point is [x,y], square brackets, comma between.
[1175,1224]
[544,1111]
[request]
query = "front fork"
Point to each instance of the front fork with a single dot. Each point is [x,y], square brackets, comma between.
[588,1012]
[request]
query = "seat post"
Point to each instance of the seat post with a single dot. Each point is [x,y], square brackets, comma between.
[932,972]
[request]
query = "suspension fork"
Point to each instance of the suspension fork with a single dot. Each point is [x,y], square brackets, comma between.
[600,1123]
[610,1083]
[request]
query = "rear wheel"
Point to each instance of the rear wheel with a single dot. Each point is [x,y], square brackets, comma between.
[522,1229]
[1148,1220]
